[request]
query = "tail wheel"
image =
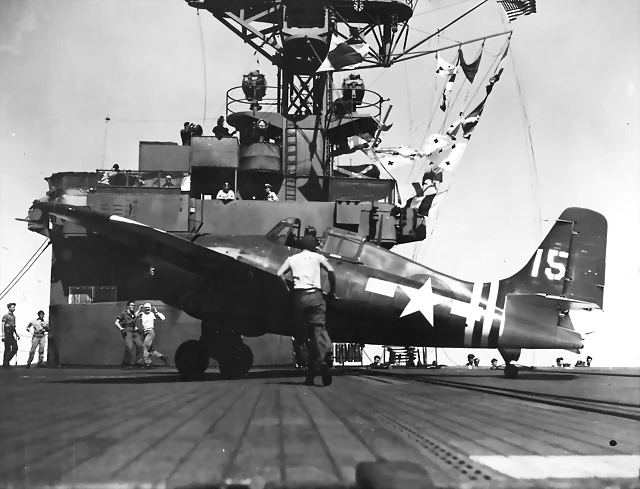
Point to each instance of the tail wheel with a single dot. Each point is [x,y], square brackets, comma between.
[510,371]
[237,362]
[191,358]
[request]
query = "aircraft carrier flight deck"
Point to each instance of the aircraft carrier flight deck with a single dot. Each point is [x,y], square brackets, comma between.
[449,427]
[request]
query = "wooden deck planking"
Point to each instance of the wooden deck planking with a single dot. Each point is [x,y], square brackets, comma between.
[344,448]
[145,427]
[593,430]
[303,447]
[510,427]
[55,419]
[258,455]
[214,448]
[406,442]
[581,427]
[441,427]
[128,440]
[159,459]
[34,448]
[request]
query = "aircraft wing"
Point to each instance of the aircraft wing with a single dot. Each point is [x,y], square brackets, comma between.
[173,249]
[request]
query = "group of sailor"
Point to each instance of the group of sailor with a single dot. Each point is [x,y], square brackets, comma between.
[10,336]
[139,337]
[226,195]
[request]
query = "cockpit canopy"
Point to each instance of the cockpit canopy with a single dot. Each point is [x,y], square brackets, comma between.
[347,246]
[352,247]
[340,243]
[286,232]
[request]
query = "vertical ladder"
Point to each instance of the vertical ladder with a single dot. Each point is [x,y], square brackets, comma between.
[290,160]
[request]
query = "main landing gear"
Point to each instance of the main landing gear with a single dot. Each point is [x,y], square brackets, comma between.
[234,358]
[191,359]
[236,361]
[510,370]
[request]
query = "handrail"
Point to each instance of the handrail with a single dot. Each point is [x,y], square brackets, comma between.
[141,178]
[232,100]
[236,100]
[366,102]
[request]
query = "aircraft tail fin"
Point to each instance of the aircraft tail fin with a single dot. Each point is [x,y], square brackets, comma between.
[569,265]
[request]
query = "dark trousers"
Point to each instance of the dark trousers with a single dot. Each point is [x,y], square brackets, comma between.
[309,312]
[132,338]
[10,348]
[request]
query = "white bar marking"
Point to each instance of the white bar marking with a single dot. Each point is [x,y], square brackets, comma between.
[562,466]
[489,313]
[503,317]
[381,287]
[472,313]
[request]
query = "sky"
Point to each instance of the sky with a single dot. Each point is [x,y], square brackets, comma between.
[65,65]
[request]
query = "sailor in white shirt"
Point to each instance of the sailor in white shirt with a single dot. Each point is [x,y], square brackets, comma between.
[40,328]
[148,317]
[270,194]
[226,194]
[309,308]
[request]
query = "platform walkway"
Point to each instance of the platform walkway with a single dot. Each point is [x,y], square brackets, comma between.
[97,426]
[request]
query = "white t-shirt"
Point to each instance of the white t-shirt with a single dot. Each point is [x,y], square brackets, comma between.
[149,319]
[305,268]
[222,195]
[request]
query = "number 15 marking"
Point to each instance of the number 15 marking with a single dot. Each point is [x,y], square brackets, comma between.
[556,269]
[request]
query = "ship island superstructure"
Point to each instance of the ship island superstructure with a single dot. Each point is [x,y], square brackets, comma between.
[287,136]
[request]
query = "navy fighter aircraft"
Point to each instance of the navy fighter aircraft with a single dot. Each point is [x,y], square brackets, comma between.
[230,284]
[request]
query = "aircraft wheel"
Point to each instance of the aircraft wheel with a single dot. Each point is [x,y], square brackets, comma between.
[191,358]
[510,371]
[238,362]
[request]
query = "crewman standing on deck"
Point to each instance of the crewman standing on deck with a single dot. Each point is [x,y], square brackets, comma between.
[9,334]
[309,308]
[148,317]
[40,328]
[126,323]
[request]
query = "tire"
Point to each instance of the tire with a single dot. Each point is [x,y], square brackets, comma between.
[510,371]
[191,359]
[238,362]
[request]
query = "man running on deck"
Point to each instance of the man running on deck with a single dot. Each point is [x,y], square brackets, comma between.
[148,318]
[126,323]
[309,308]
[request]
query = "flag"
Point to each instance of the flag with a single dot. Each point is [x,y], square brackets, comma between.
[496,76]
[516,8]
[358,171]
[447,90]
[471,121]
[452,132]
[444,68]
[403,164]
[437,149]
[470,69]
[345,55]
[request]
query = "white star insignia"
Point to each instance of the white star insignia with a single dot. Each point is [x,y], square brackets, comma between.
[420,300]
